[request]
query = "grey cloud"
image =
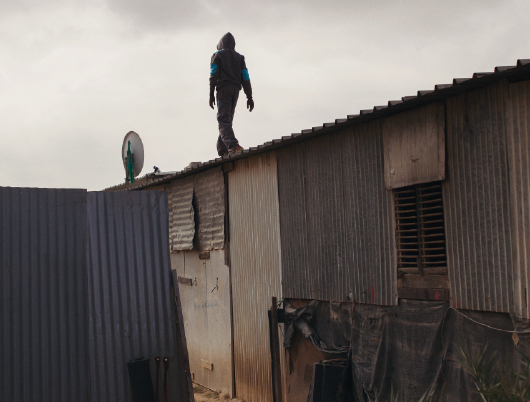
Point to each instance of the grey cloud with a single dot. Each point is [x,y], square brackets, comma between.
[7,7]
[160,15]
[413,15]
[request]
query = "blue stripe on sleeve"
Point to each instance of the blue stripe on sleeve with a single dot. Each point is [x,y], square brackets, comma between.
[245,75]
[213,68]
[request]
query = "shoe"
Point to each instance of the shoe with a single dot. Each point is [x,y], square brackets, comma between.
[236,149]
[223,154]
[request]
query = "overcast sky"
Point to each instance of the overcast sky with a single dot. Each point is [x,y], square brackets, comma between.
[76,76]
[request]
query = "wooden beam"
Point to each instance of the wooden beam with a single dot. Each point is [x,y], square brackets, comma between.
[275,352]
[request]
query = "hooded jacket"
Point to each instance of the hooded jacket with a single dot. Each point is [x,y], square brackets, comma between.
[228,67]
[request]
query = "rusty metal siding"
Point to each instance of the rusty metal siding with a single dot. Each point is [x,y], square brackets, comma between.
[43,294]
[255,269]
[336,219]
[181,214]
[518,123]
[131,313]
[477,201]
[209,200]
[197,211]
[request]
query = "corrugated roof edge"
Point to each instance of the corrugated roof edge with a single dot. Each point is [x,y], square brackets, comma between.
[441,91]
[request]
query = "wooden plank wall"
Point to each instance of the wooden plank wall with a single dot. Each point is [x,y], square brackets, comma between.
[414,146]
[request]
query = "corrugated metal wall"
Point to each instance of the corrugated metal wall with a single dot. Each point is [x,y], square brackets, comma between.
[197,211]
[132,314]
[518,124]
[209,198]
[181,214]
[336,219]
[43,294]
[255,270]
[477,201]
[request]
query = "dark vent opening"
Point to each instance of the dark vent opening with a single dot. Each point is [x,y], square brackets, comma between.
[420,235]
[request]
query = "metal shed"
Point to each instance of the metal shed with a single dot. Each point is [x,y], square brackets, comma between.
[337,187]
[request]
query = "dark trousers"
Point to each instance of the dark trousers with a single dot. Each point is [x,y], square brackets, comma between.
[226,106]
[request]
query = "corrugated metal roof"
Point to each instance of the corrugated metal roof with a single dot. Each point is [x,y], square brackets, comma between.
[441,91]
[43,290]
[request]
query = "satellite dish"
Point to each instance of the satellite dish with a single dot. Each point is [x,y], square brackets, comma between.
[132,154]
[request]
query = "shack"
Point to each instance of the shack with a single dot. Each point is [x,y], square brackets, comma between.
[390,235]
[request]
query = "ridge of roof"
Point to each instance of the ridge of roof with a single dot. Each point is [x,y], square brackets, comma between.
[520,71]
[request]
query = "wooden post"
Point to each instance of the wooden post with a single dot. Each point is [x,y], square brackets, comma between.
[185,385]
[275,353]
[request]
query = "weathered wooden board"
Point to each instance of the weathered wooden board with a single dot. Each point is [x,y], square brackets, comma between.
[414,146]
[423,294]
[423,281]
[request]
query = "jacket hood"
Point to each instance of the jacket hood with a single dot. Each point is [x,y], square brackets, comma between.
[227,42]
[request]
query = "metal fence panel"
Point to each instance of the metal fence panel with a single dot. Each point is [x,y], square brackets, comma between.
[336,219]
[129,275]
[43,292]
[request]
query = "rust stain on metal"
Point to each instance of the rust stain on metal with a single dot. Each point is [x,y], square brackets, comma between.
[256,270]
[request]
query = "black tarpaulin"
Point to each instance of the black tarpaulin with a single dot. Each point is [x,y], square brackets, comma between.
[415,346]
[410,348]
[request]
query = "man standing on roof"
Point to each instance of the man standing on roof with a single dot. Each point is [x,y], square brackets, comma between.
[228,73]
